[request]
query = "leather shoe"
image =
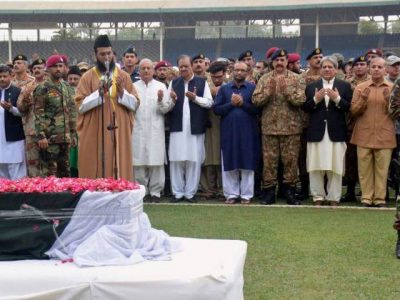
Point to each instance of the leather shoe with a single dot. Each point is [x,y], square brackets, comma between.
[175,200]
[349,197]
[268,196]
[191,200]
[290,196]
[155,199]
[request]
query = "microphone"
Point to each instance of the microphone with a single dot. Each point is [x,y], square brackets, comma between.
[107,65]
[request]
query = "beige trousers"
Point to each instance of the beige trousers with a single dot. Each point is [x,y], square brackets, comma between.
[373,166]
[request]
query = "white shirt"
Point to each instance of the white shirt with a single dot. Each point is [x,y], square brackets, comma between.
[184,145]
[11,152]
[148,136]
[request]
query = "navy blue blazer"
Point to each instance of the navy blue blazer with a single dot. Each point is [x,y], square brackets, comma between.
[333,115]
[198,114]
[12,124]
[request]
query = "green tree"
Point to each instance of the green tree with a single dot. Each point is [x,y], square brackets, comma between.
[369,27]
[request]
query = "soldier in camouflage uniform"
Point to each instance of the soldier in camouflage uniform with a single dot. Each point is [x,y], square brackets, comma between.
[55,120]
[25,106]
[20,68]
[281,94]
[307,77]
[360,70]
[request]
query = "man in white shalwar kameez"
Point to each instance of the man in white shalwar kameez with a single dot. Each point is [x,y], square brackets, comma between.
[12,139]
[327,101]
[148,136]
[191,98]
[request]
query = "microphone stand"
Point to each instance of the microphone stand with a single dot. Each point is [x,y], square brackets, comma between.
[112,127]
[103,161]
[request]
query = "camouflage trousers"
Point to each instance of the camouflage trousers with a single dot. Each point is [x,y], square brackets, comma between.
[54,161]
[283,147]
[32,156]
[211,179]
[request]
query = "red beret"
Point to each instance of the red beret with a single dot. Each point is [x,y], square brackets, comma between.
[293,57]
[65,58]
[270,51]
[53,60]
[376,51]
[163,63]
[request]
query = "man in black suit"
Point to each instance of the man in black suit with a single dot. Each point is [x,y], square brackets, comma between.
[327,101]
[12,153]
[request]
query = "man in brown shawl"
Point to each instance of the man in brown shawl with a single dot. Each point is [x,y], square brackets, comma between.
[106,101]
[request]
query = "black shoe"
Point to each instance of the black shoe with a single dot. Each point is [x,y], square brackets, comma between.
[303,194]
[290,196]
[147,199]
[191,200]
[349,197]
[175,200]
[398,245]
[268,196]
[155,199]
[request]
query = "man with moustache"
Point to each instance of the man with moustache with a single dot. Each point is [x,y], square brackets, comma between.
[130,60]
[105,91]
[25,106]
[55,120]
[281,95]
[191,99]
[12,153]
[20,69]
[240,143]
[161,70]
[360,74]
[311,75]
[148,138]
[199,65]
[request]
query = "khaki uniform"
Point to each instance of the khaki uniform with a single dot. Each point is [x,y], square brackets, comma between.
[25,106]
[55,119]
[210,179]
[281,127]
[24,81]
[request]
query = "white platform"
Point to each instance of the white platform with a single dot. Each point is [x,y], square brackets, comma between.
[206,269]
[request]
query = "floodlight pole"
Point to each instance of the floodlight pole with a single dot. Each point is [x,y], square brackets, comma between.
[317,30]
[161,40]
[10,42]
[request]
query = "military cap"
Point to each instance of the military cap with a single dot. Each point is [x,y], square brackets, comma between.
[130,49]
[53,60]
[38,61]
[102,41]
[198,56]
[393,59]
[339,57]
[163,63]
[20,57]
[83,66]
[270,51]
[74,70]
[247,53]
[293,57]
[223,60]
[361,58]
[376,51]
[279,53]
[350,61]
[316,51]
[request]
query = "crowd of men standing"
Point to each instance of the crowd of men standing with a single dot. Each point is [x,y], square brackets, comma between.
[231,128]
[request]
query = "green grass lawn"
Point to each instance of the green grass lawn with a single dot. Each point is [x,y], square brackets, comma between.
[298,253]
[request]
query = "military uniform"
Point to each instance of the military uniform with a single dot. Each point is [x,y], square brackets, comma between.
[25,106]
[55,119]
[281,127]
